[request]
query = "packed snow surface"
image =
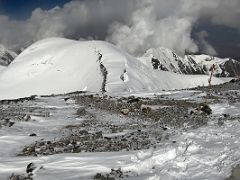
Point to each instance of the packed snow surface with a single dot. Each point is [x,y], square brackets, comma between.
[2,68]
[57,65]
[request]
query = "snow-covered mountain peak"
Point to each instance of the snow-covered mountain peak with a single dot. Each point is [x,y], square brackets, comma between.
[164,54]
[165,59]
[57,65]
[224,67]
[207,59]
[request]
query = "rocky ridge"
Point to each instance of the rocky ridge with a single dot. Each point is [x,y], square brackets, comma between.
[166,60]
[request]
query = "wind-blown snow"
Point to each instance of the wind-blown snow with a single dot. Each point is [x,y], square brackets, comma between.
[58,65]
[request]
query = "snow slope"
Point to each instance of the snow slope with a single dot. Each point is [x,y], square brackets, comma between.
[2,68]
[58,65]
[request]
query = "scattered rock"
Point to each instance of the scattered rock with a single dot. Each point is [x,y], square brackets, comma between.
[81,111]
[114,174]
[134,100]
[125,111]
[201,109]
[99,176]
[10,124]
[164,128]
[6,122]
[206,109]
[84,141]
[31,167]
[192,112]
[21,177]
[234,80]
[27,117]
[235,174]
[226,115]
[66,99]
[220,122]
[146,109]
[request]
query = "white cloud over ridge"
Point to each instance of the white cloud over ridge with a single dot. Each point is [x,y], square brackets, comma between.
[147,30]
[134,25]
[206,47]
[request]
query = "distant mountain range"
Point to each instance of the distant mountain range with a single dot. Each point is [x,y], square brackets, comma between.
[167,60]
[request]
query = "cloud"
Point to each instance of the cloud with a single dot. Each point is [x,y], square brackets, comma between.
[170,24]
[134,25]
[223,12]
[147,29]
[76,19]
[205,46]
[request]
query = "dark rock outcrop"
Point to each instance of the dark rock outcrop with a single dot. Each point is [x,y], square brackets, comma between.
[6,56]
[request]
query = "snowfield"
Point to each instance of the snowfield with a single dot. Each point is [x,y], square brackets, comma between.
[2,68]
[57,65]
[208,152]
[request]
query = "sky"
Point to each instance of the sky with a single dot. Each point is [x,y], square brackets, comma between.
[204,27]
[22,9]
